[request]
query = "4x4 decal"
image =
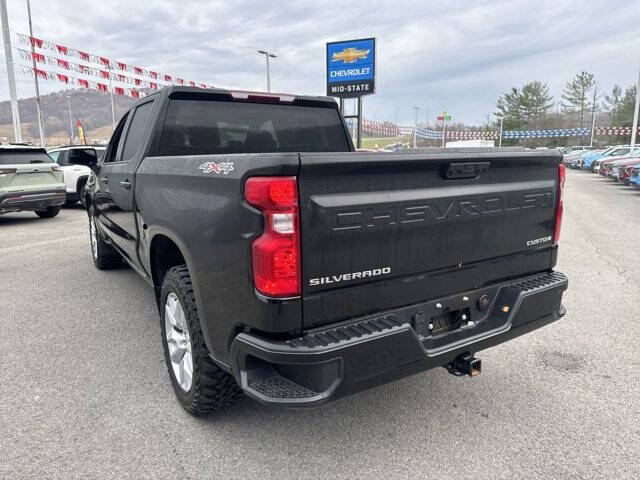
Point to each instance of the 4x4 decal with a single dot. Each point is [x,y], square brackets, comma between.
[218,168]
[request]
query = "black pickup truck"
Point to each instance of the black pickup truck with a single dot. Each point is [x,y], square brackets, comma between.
[295,270]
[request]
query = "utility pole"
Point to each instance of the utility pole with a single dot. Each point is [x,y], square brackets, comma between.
[501,124]
[113,109]
[35,77]
[267,56]
[635,115]
[415,128]
[70,121]
[11,75]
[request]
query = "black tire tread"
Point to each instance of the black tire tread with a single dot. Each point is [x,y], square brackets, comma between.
[48,212]
[212,388]
[108,258]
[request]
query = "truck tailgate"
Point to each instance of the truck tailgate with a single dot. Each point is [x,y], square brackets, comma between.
[380,231]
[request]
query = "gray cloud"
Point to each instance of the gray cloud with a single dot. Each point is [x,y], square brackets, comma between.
[459,55]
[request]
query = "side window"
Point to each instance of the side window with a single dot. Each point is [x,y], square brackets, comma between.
[112,148]
[54,155]
[63,159]
[81,156]
[137,129]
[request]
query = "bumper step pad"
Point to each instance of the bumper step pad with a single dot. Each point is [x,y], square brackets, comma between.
[280,387]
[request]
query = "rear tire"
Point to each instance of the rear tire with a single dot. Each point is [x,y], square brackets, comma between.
[104,256]
[48,212]
[207,387]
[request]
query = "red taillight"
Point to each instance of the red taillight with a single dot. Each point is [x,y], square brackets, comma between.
[559,208]
[276,253]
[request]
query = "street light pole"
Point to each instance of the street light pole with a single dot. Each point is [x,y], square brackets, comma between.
[11,75]
[501,124]
[635,115]
[415,128]
[70,121]
[35,77]
[267,56]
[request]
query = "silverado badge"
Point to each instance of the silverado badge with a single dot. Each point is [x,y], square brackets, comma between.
[212,167]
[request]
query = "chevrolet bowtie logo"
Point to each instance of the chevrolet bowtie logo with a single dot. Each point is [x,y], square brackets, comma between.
[350,55]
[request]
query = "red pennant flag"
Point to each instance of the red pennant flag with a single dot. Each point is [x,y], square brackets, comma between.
[153,74]
[122,66]
[38,57]
[63,63]
[62,49]
[84,56]
[62,78]
[104,74]
[41,73]
[102,87]
[138,70]
[203,85]
[83,83]
[153,85]
[84,69]
[167,78]
[104,61]
[192,84]
[135,94]
[121,78]
[36,42]
[138,82]
[180,81]
[119,90]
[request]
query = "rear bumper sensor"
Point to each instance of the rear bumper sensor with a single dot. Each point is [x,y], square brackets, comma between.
[331,363]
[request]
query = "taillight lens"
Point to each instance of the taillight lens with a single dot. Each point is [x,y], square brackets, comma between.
[560,207]
[276,253]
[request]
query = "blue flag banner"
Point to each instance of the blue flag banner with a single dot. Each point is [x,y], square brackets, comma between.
[559,132]
[428,134]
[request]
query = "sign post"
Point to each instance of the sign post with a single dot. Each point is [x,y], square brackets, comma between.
[351,74]
[445,117]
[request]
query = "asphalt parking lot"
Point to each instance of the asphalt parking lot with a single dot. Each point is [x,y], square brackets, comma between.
[85,392]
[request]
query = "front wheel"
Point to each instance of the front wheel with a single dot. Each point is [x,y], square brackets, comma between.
[48,212]
[103,254]
[200,385]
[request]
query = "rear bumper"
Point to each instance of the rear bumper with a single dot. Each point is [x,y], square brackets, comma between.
[35,200]
[331,363]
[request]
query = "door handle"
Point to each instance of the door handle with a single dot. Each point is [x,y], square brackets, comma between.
[105,179]
[126,185]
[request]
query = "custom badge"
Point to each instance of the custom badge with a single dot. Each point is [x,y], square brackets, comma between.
[217,168]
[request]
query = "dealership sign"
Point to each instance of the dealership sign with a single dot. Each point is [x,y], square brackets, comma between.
[351,68]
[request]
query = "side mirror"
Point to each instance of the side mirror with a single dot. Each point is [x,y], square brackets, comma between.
[88,158]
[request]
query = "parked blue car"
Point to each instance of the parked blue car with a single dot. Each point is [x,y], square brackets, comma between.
[635,176]
[587,160]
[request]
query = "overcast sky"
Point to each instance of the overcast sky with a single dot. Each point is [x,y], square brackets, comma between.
[458,55]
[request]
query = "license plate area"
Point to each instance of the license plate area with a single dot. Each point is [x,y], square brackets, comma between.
[448,320]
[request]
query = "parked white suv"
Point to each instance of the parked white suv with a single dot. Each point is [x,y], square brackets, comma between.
[75,176]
